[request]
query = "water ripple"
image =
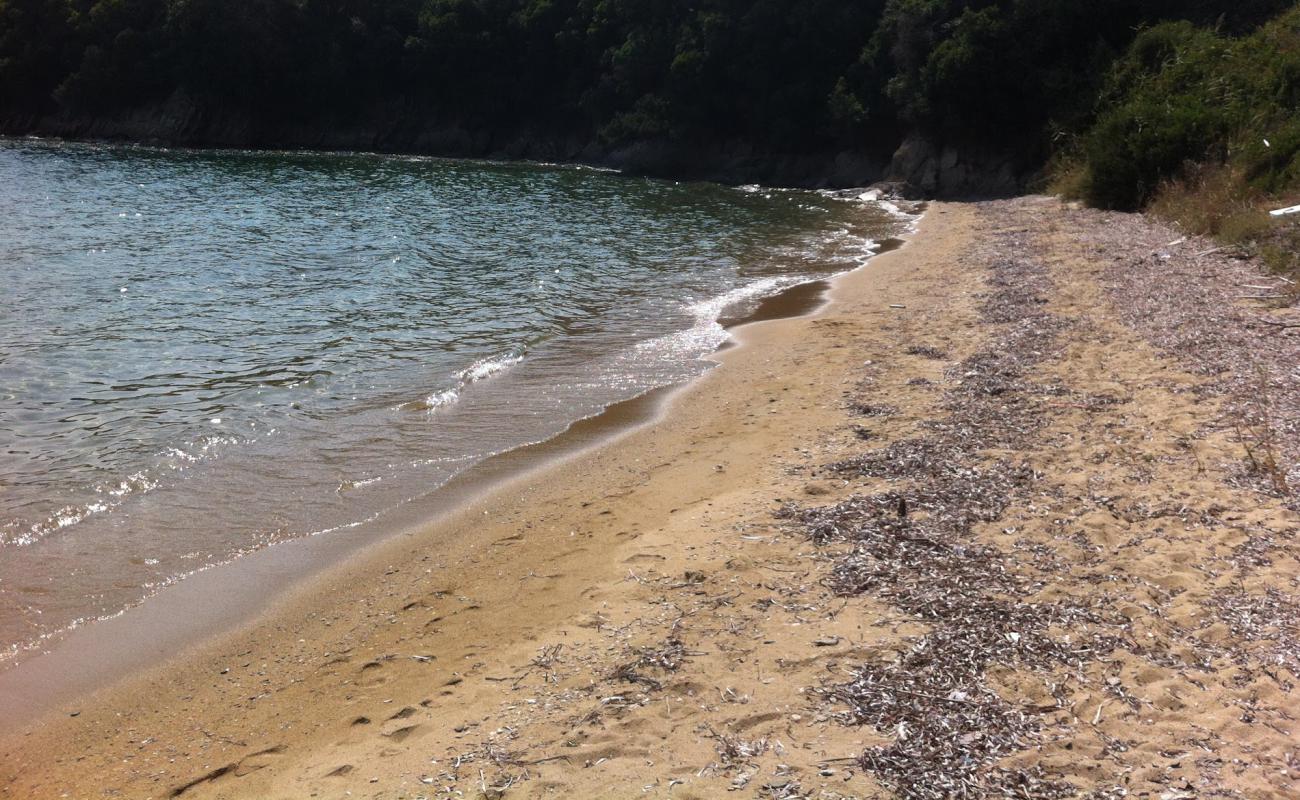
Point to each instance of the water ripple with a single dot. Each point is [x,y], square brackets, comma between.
[204,353]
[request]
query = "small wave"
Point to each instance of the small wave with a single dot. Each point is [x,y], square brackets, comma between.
[841,246]
[708,312]
[434,401]
[135,483]
[880,198]
[347,486]
[480,370]
[112,494]
[180,456]
[845,246]
[443,398]
[707,332]
[487,367]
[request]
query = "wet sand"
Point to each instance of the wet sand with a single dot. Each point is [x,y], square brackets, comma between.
[534,544]
[637,619]
[221,598]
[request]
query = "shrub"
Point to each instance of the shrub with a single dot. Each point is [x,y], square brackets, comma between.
[1182,96]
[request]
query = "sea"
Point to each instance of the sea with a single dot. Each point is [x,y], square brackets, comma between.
[208,353]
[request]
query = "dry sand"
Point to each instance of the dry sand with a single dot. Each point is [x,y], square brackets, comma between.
[1085,596]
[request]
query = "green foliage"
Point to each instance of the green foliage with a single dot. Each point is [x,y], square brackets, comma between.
[774,76]
[35,52]
[1183,95]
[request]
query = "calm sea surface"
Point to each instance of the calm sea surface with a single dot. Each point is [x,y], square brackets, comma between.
[204,353]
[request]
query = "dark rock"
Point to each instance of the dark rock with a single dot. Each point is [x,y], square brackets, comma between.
[925,168]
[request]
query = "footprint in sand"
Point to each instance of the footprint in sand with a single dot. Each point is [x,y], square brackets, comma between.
[745,723]
[248,764]
[641,557]
[399,733]
[372,675]
[333,662]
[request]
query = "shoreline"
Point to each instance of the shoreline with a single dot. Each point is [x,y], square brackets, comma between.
[153,629]
[130,635]
[153,661]
[812,170]
[197,608]
[776,587]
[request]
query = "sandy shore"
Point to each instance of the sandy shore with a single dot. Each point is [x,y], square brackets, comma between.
[733,597]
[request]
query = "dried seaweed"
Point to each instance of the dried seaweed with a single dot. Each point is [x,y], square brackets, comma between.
[667,657]
[1182,294]
[869,410]
[734,751]
[926,351]
[1272,617]
[911,547]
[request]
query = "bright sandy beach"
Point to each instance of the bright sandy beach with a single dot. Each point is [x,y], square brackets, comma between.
[985,522]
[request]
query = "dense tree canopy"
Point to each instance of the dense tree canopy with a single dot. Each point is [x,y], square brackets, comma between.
[780,76]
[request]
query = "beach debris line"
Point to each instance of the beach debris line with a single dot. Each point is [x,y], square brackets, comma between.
[1045,646]
[927,351]
[912,547]
[1192,313]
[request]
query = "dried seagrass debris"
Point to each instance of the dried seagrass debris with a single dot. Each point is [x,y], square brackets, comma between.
[1184,299]
[782,790]
[996,611]
[869,410]
[1271,617]
[735,751]
[1258,550]
[903,459]
[950,728]
[864,434]
[926,351]
[667,657]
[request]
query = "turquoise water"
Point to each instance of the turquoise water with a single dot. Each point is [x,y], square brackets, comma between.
[204,353]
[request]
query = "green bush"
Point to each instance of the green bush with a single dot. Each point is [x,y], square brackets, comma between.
[1183,95]
[1202,82]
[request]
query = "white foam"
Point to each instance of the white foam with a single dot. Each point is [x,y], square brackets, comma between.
[876,197]
[708,312]
[347,486]
[181,455]
[444,398]
[480,370]
[487,367]
[707,333]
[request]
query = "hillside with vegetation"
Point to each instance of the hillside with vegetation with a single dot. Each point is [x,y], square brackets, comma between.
[1120,97]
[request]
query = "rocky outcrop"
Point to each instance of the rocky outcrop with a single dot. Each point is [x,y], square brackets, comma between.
[925,168]
[739,162]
